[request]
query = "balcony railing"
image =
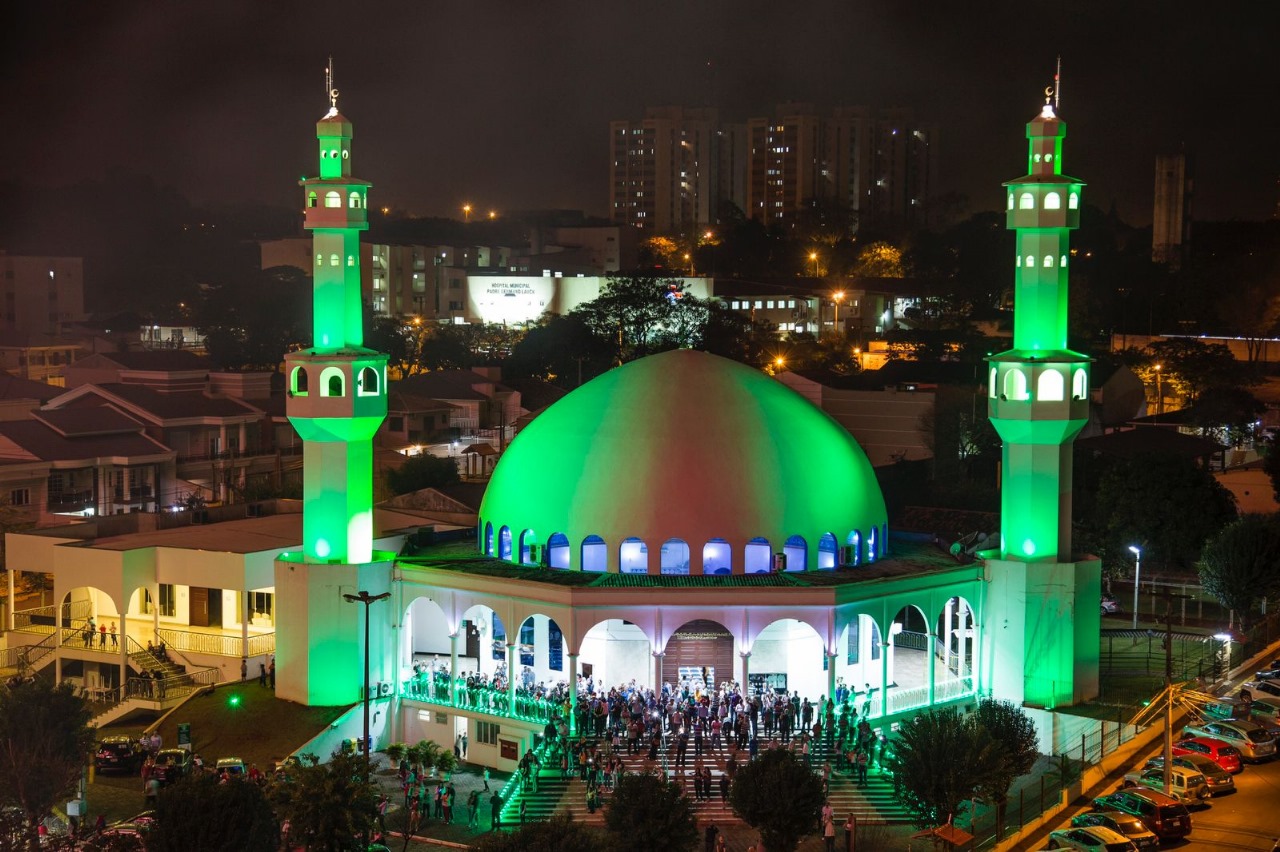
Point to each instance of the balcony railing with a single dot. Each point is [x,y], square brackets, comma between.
[218,644]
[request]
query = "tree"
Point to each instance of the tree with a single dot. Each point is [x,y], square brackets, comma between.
[1241,564]
[250,322]
[1013,731]
[329,806]
[422,471]
[560,833]
[879,260]
[45,740]
[940,760]
[646,811]
[199,814]
[1166,504]
[779,796]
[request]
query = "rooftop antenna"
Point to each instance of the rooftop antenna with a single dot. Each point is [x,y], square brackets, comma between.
[1057,84]
[328,85]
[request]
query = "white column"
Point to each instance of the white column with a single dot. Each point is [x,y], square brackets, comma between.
[831,678]
[657,671]
[745,683]
[976,647]
[9,611]
[930,650]
[885,648]
[511,678]
[453,668]
[948,629]
[244,627]
[573,694]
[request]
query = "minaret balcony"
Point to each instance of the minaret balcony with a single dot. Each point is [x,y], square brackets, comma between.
[1048,396]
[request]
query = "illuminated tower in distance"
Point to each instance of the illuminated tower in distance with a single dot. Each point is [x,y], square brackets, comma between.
[336,401]
[1042,615]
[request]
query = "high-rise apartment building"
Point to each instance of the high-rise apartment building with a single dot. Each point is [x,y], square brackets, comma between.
[1171,212]
[673,169]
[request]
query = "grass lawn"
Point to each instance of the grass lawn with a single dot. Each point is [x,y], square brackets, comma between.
[258,729]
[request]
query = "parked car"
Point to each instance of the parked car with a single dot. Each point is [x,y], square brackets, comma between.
[1167,818]
[1218,779]
[1091,839]
[1258,688]
[1225,756]
[1252,739]
[1271,671]
[1121,823]
[118,754]
[1110,606]
[172,765]
[233,766]
[1266,712]
[1186,785]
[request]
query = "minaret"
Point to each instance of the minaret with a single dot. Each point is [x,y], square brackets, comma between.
[1039,400]
[336,401]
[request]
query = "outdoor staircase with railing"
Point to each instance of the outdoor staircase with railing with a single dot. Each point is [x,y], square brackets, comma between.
[872,802]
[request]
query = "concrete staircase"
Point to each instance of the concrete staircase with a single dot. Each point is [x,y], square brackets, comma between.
[872,802]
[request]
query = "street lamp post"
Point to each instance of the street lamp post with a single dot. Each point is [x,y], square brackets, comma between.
[813,258]
[1159,390]
[835,300]
[366,599]
[466,212]
[1137,576]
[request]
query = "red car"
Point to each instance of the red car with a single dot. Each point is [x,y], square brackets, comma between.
[1225,755]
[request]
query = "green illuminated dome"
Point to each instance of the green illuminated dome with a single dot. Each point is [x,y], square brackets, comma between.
[683,462]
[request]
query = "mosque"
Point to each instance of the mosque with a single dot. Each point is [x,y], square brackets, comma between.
[680,518]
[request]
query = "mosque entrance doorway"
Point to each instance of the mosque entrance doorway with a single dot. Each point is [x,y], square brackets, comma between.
[697,645]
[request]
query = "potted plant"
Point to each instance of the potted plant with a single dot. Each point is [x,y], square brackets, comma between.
[396,752]
[446,762]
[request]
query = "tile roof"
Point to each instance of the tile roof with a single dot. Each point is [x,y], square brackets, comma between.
[179,404]
[80,422]
[12,387]
[42,443]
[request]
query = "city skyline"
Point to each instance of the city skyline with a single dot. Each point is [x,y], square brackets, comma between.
[509,108]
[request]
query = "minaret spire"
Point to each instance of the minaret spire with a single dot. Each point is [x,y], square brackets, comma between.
[329,90]
[1057,84]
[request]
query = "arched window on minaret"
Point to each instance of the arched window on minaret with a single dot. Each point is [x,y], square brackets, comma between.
[368,385]
[1048,261]
[334,260]
[1079,384]
[333,198]
[1053,201]
[1073,201]
[1026,201]
[332,382]
[1050,387]
[1031,261]
[298,381]
[1010,201]
[992,383]
[353,200]
[311,199]
[1015,385]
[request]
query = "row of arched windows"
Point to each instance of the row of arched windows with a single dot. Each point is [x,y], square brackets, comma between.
[1050,387]
[1052,201]
[333,382]
[1048,261]
[336,260]
[674,556]
[333,198]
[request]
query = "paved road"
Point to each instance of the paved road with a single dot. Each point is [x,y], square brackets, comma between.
[1246,819]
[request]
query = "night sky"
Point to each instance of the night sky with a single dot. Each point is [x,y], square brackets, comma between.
[506,103]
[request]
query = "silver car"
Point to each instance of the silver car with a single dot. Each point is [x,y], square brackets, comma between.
[1252,739]
[1218,779]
